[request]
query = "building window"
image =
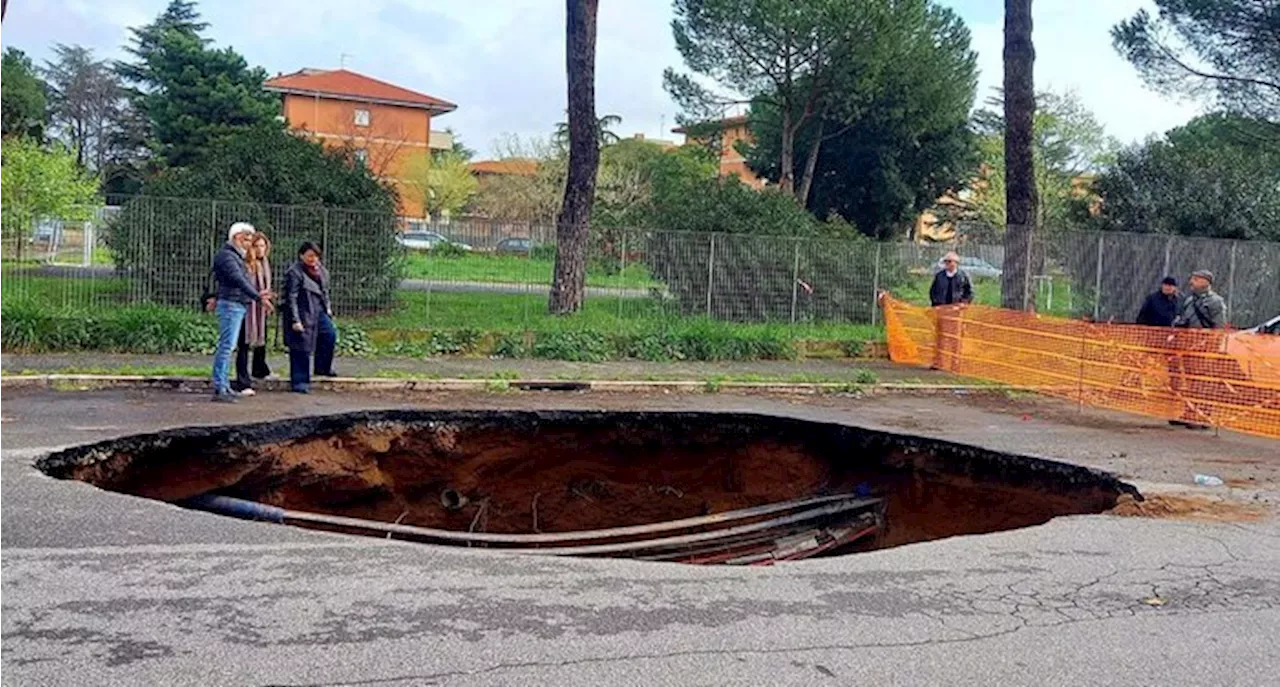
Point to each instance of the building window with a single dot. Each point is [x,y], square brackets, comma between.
[362,118]
[362,156]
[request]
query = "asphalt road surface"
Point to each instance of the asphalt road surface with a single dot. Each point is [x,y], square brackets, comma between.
[106,589]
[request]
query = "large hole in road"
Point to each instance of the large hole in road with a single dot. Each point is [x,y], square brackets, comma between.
[688,487]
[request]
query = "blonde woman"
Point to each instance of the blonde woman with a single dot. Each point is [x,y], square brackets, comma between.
[253,336]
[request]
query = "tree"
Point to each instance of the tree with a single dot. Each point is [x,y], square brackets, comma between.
[442,181]
[23,102]
[569,283]
[770,54]
[1019,155]
[192,95]
[605,137]
[457,147]
[87,103]
[533,190]
[906,142]
[1206,178]
[1070,146]
[163,237]
[383,143]
[40,182]
[1228,50]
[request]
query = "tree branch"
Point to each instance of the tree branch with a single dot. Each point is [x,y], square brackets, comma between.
[1208,75]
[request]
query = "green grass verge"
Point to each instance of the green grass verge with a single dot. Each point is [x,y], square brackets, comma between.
[52,314]
[514,269]
[607,328]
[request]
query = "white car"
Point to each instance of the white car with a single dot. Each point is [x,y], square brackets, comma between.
[426,240]
[974,267]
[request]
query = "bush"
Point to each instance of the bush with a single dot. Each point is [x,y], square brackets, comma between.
[449,251]
[353,341]
[135,329]
[545,252]
[288,187]
[578,346]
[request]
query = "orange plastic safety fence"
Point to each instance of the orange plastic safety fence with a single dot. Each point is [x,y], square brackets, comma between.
[1208,377]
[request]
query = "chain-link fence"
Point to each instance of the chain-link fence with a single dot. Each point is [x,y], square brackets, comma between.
[398,274]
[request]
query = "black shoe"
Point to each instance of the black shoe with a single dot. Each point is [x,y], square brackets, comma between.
[300,390]
[225,397]
[330,373]
[1189,425]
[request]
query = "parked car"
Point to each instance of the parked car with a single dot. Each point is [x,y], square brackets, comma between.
[48,231]
[974,267]
[516,246]
[426,240]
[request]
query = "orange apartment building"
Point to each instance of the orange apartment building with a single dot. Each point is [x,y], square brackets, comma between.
[389,127]
[729,130]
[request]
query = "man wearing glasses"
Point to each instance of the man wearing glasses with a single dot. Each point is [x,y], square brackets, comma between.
[951,289]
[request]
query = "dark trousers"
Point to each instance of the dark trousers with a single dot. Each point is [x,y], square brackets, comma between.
[245,376]
[300,361]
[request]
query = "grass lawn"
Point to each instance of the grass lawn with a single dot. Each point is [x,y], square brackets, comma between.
[514,269]
[18,282]
[417,310]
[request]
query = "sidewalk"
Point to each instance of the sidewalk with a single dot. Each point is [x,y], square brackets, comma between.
[484,368]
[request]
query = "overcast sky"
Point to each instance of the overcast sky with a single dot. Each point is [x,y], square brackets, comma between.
[502,61]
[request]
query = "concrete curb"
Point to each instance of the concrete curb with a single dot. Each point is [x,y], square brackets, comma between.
[79,382]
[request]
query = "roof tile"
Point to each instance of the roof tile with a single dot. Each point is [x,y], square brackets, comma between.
[348,84]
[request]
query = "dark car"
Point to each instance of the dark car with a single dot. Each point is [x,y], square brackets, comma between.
[515,246]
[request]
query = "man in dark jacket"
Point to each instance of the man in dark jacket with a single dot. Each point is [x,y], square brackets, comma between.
[235,292]
[951,288]
[1162,306]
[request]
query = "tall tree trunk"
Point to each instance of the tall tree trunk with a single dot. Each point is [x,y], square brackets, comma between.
[786,175]
[573,224]
[1020,175]
[811,165]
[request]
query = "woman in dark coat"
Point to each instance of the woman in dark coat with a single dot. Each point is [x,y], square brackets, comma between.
[306,318]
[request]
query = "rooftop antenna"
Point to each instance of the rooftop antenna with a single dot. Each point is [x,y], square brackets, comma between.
[342,60]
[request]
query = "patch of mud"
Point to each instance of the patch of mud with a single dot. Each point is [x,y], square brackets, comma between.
[527,472]
[1189,507]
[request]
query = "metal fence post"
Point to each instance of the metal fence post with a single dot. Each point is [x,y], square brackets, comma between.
[875,288]
[622,275]
[324,231]
[795,281]
[1097,283]
[1231,278]
[1026,273]
[1168,251]
[711,265]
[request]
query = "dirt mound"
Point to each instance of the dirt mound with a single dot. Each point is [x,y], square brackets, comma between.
[1190,507]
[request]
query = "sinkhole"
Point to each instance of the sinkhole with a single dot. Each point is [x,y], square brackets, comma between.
[663,486]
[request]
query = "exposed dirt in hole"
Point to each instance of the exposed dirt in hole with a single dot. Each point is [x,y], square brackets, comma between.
[1189,507]
[582,471]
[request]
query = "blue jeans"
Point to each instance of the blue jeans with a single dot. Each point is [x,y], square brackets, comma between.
[300,361]
[230,320]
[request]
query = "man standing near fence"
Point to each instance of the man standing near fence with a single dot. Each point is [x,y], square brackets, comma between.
[1193,381]
[951,290]
[1161,307]
[235,292]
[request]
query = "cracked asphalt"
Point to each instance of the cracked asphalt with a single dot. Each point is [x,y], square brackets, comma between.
[106,589]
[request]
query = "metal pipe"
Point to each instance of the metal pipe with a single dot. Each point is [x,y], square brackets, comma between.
[251,510]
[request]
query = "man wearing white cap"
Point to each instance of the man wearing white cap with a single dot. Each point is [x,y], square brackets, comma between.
[235,292]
